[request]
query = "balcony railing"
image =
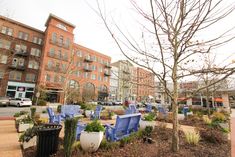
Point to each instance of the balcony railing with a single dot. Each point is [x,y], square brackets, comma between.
[107,73]
[107,65]
[17,67]
[53,55]
[88,59]
[21,53]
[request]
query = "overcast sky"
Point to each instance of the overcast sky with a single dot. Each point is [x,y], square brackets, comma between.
[89,31]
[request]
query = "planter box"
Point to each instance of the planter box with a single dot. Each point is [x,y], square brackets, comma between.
[30,143]
[180,116]
[144,124]
[90,141]
[21,117]
[23,127]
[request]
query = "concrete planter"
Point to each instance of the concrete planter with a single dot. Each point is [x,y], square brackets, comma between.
[144,124]
[30,143]
[90,141]
[23,127]
[180,116]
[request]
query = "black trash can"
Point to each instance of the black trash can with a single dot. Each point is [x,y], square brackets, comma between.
[47,139]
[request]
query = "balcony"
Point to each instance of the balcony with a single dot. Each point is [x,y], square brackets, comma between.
[127,71]
[21,53]
[17,67]
[88,59]
[87,68]
[56,56]
[107,73]
[107,65]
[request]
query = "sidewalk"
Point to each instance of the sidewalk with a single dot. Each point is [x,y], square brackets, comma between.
[233,133]
[9,147]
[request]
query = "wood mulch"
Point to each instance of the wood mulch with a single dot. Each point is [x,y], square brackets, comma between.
[161,148]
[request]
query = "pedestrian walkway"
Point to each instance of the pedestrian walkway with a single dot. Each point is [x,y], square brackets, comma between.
[233,133]
[184,128]
[9,145]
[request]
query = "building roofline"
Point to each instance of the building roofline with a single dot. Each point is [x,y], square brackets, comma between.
[88,49]
[20,24]
[58,18]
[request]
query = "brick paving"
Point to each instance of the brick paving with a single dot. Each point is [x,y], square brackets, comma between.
[9,145]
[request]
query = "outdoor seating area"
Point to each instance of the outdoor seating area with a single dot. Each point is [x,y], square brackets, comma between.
[100,131]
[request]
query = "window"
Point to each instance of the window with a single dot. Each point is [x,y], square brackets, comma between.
[78,64]
[61,79]
[57,66]
[15,75]
[54,37]
[21,48]
[61,40]
[18,62]
[73,84]
[93,67]
[56,79]
[1,73]
[33,64]
[99,78]
[77,73]
[5,44]
[94,59]
[67,42]
[79,53]
[48,78]
[86,75]
[52,52]
[93,76]
[100,69]
[63,67]
[7,30]
[30,77]
[50,64]
[37,40]
[23,35]
[3,59]
[60,55]
[35,52]
[65,56]
[106,79]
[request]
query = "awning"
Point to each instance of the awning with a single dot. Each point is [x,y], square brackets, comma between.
[218,99]
[182,99]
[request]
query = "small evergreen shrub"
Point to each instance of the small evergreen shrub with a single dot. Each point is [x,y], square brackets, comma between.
[44,111]
[32,111]
[23,112]
[106,145]
[17,114]
[207,120]
[69,135]
[41,102]
[148,131]
[225,130]
[94,126]
[59,108]
[192,137]
[213,136]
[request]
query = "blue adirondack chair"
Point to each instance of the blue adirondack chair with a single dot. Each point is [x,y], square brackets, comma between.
[96,113]
[80,128]
[124,126]
[70,111]
[162,110]
[131,109]
[52,117]
[149,108]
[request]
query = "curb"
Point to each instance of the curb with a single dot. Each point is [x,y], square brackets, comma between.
[7,118]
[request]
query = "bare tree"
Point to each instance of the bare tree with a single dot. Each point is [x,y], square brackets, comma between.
[172,41]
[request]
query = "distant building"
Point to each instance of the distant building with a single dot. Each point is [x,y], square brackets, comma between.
[31,58]
[114,84]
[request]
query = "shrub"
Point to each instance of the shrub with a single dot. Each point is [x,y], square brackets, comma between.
[32,111]
[17,114]
[125,141]
[44,111]
[207,120]
[225,130]
[28,134]
[94,126]
[217,116]
[23,112]
[69,135]
[42,102]
[59,108]
[106,145]
[213,136]
[149,117]
[192,137]
[148,131]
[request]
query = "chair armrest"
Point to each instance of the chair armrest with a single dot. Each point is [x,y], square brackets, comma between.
[108,126]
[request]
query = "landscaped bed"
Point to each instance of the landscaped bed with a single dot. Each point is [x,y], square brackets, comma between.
[160,147]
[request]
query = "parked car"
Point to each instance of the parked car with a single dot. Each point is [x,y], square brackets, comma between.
[4,101]
[20,102]
[118,102]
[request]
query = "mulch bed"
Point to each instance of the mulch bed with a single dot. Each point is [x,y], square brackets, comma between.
[161,148]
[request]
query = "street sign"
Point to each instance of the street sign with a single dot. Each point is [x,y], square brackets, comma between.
[37,94]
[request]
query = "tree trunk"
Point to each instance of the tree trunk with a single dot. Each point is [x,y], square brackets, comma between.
[175,133]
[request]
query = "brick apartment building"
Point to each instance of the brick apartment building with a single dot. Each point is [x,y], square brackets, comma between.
[143,84]
[31,58]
